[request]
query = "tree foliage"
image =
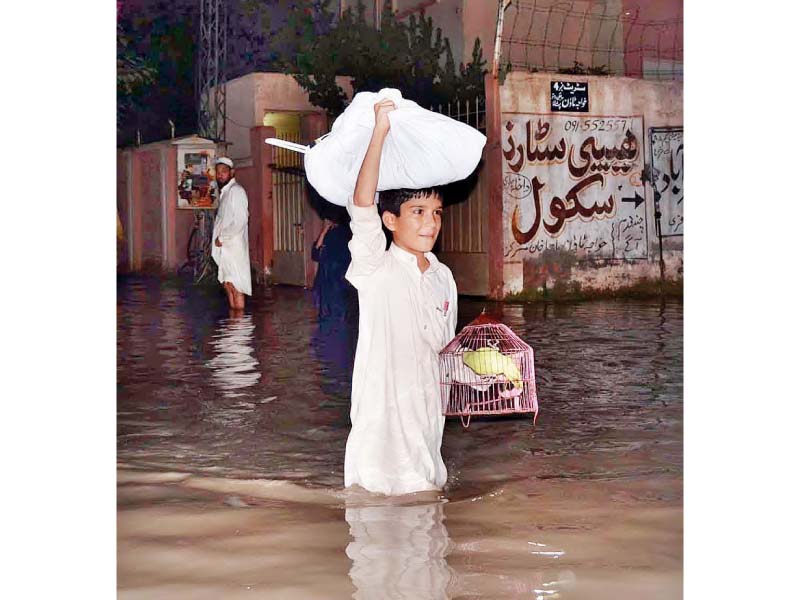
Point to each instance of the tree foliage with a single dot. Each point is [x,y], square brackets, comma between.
[161,36]
[412,56]
[133,73]
[157,53]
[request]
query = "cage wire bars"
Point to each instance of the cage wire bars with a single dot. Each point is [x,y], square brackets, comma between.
[487,369]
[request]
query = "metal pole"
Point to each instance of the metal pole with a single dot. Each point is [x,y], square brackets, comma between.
[502,5]
[657,215]
[211,61]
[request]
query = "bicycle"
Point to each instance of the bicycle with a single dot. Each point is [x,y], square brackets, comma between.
[199,263]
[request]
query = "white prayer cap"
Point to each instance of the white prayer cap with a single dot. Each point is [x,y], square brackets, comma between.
[224,160]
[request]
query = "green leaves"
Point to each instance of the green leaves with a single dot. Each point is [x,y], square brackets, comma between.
[408,56]
[132,71]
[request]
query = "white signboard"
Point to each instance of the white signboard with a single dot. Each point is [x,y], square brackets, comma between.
[574,183]
[666,148]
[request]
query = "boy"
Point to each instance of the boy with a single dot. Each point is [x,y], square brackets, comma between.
[407,305]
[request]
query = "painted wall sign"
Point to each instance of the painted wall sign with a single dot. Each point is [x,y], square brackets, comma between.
[196,186]
[575,184]
[569,96]
[666,153]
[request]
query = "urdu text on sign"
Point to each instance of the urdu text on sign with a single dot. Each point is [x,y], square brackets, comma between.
[569,96]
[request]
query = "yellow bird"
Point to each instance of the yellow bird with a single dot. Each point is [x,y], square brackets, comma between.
[488,361]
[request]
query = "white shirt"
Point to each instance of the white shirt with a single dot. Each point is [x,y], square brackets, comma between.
[230,226]
[405,318]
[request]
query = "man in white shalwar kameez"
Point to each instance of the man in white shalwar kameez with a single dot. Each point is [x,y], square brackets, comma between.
[231,249]
[407,307]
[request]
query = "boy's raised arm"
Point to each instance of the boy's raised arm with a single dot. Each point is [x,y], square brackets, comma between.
[368,245]
[367,182]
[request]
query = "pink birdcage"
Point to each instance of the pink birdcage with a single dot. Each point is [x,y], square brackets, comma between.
[487,370]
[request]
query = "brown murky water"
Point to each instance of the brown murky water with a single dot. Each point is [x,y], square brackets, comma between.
[231,437]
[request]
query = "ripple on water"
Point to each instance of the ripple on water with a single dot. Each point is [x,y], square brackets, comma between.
[272,386]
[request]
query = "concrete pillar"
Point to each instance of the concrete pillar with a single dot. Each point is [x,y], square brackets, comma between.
[136,233]
[163,155]
[494,173]
[312,126]
[127,216]
[174,257]
[262,155]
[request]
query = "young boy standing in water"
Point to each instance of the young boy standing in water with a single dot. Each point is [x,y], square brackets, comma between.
[407,314]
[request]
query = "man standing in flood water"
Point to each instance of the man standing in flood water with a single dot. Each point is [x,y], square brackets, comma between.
[231,249]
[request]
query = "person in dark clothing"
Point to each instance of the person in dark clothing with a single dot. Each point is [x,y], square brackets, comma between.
[332,292]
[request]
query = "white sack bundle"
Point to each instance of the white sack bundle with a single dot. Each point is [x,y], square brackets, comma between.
[423,148]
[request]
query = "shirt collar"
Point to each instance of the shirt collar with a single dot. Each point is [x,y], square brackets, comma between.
[408,259]
[229,185]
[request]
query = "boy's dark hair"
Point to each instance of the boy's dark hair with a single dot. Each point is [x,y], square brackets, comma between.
[391,200]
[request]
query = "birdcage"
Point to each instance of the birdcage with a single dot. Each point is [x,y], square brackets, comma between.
[487,370]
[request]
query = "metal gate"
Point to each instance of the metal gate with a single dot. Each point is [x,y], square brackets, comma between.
[464,239]
[465,230]
[289,198]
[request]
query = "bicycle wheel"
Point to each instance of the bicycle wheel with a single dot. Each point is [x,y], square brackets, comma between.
[188,267]
[205,263]
[195,251]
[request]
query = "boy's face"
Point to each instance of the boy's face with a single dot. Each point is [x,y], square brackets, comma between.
[418,225]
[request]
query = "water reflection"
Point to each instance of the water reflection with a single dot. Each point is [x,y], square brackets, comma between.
[268,394]
[235,366]
[334,346]
[265,398]
[399,551]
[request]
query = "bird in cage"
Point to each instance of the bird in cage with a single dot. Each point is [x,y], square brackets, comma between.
[487,370]
[461,373]
[489,361]
[477,389]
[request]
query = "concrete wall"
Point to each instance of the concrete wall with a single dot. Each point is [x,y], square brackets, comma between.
[575,212]
[480,21]
[156,231]
[250,97]
[241,115]
[447,14]
[461,22]
[255,177]
[123,211]
[152,227]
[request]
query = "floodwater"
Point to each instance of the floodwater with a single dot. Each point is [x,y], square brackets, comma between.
[231,436]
